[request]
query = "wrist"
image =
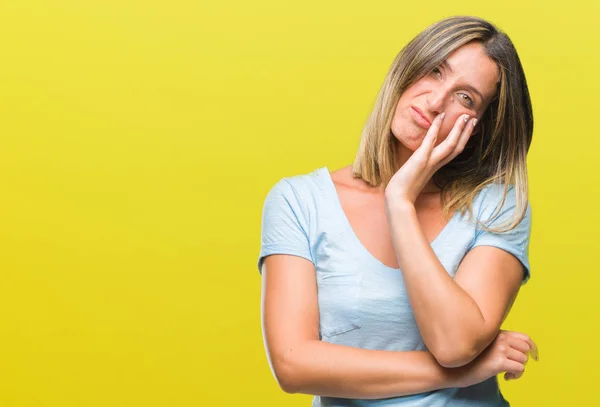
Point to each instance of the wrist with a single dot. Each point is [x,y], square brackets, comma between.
[451,378]
[400,206]
[447,377]
[460,376]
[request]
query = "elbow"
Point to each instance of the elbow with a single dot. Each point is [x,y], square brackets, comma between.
[287,382]
[451,355]
[460,348]
[286,372]
[454,359]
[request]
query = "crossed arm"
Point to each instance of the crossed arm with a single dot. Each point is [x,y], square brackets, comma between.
[302,363]
[474,305]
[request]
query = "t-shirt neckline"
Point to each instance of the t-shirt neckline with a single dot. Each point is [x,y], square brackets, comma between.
[348,227]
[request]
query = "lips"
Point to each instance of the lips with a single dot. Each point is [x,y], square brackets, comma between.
[420,117]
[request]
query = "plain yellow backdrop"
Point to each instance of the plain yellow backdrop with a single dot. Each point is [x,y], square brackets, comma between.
[138,142]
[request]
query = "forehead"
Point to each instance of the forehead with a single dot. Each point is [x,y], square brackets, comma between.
[470,64]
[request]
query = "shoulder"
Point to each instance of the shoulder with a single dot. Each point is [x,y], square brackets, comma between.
[299,186]
[302,193]
[497,203]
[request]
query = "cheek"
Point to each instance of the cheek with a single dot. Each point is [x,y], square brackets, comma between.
[412,92]
[398,117]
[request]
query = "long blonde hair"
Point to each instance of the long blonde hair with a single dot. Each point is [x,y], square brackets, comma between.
[497,155]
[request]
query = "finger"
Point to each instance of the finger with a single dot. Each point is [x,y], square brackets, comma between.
[512,375]
[517,356]
[532,346]
[466,135]
[511,366]
[463,138]
[432,133]
[446,151]
[509,376]
[517,375]
[519,344]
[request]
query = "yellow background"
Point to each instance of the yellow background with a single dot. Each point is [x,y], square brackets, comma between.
[139,139]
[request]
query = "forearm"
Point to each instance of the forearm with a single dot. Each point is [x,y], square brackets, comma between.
[325,369]
[449,320]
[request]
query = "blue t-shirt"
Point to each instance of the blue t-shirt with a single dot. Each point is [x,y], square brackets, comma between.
[362,302]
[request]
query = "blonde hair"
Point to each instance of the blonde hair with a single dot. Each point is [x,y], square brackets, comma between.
[496,155]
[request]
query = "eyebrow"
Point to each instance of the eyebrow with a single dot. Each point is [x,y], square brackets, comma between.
[469,86]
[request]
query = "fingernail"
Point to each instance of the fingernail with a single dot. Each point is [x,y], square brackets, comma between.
[466,118]
[474,122]
[442,116]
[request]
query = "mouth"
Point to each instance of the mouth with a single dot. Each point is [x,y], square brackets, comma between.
[420,118]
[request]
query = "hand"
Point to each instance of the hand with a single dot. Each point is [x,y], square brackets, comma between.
[408,182]
[508,353]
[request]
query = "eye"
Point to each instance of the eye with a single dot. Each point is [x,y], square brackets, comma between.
[466,98]
[436,71]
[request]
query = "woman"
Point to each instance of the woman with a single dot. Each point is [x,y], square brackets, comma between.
[386,282]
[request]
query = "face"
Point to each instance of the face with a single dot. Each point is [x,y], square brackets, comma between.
[464,83]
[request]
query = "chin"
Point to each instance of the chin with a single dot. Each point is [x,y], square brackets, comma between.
[410,140]
[411,146]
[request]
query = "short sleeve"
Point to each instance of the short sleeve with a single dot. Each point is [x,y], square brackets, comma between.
[515,241]
[284,225]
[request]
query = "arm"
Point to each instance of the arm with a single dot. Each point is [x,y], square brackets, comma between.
[458,318]
[301,363]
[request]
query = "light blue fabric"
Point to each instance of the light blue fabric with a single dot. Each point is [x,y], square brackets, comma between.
[362,302]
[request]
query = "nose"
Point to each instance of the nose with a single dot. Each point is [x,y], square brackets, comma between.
[436,100]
